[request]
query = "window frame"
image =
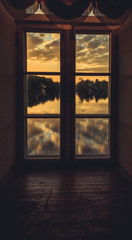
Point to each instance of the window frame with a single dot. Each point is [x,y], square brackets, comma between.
[39,116]
[78,30]
[67,145]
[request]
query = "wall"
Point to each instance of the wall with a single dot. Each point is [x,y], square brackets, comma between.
[125,96]
[7,92]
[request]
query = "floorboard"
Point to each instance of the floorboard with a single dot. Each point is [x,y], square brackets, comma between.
[81,205]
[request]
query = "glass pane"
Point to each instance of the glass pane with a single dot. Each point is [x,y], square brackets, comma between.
[92,136]
[92,95]
[43,94]
[43,137]
[92,53]
[43,52]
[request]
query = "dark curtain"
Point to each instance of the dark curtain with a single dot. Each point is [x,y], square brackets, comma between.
[21,4]
[114,8]
[72,9]
[68,9]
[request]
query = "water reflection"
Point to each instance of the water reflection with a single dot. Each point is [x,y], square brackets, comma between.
[91,106]
[52,107]
[44,95]
[91,136]
[92,95]
[43,136]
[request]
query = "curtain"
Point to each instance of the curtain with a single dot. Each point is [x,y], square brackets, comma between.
[18,9]
[67,9]
[70,9]
[21,4]
[114,8]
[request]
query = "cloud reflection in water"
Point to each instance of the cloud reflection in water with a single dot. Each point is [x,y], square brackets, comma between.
[43,136]
[91,136]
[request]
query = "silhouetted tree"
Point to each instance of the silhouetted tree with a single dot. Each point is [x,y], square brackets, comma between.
[42,89]
[89,89]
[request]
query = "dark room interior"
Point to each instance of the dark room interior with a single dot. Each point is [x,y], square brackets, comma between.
[66,119]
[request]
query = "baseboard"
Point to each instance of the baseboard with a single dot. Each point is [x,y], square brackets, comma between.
[125,174]
[7,177]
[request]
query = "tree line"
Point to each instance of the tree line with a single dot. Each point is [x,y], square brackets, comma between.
[87,89]
[42,89]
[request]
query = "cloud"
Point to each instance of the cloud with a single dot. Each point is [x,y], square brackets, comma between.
[95,128]
[85,149]
[42,48]
[92,136]
[79,48]
[53,125]
[42,147]
[83,38]
[53,44]
[42,35]
[92,53]
[45,54]
[93,41]
[33,130]
[43,136]
[93,68]
[34,40]
[47,147]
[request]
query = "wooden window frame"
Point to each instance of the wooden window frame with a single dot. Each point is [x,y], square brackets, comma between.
[39,116]
[91,116]
[67,112]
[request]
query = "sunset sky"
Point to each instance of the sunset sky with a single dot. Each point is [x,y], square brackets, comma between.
[43,52]
[92,53]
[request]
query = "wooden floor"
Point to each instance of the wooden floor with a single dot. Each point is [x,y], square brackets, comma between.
[90,204]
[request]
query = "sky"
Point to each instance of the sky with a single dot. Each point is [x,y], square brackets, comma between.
[43,52]
[92,53]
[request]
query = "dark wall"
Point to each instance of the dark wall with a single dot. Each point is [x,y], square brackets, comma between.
[7,92]
[125,96]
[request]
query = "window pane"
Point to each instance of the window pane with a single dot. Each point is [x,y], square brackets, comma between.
[43,94]
[92,136]
[43,52]
[92,53]
[43,137]
[92,95]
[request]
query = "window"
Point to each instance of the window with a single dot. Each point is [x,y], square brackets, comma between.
[92,103]
[67,93]
[42,98]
